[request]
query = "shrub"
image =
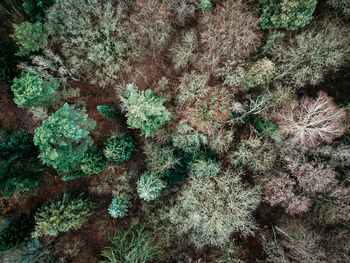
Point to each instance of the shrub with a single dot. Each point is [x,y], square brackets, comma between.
[135,245]
[206,4]
[8,61]
[192,86]
[203,168]
[16,232]
[230,32]
[19,168]
[31,90]
[64,138]
[119,207]
[37,9]
[109,111]
[288,14]
[119,148]
[93,162]
[343,6]
[67,213]
[97,43]
[209,210]
[145,111]
[306,57]
[183,50]
[262,72]
[149,186]
[29,37]
[312,121]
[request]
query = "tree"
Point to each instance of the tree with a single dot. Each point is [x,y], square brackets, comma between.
[29,37]
[30,90]
[149,186]
[288,14]
[119,207]
[19,168]
[145,111]
[67,213]
[261,72]
[8,61]
[209,210]
[312,121]
[16,232]
[37,9]
[119,148]
[203,168]
[63,138]
[93,162]
[109,111]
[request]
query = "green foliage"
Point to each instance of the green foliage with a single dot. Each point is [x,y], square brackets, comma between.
[93,162]
[64,138]
[209,210]
[97,43]
[203,168]
[149,186]
[265,126]
[119,148]
[109,111]
[29,37]
[8,61]
[16,232]
[37,9]
[135,245]
[206,4]
[179,173]
[288,14]
[73,175]
[183,51]
[145,111]
[262,72]
[30,90]
[119,207]
[19,169]
[67,213]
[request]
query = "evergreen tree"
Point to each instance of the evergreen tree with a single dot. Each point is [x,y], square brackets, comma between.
[145,111]
[63,215]
[149,186]
[30,90]
[119,148]
[93,162]
[119,207]
[19,168]
[63,138]
[109,111]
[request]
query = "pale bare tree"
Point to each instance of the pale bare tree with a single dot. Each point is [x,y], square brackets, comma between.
[312,121]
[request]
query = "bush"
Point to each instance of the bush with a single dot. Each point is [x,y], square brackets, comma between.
[19,168]
[67,213]
[204,168]
[206,4]
[230,32]
[135,245]
[149,186]
[37,9]
[29,37]
[262,72]
[109,111]
[16,232]
[93,162]
[306,57]
[312,121]
[145,111]
[97,43]
[183,50]
[288,14]
[73,175]
[8,61]
[119,148]
[63,138]
[209,210]
[31,90]
[119,207]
